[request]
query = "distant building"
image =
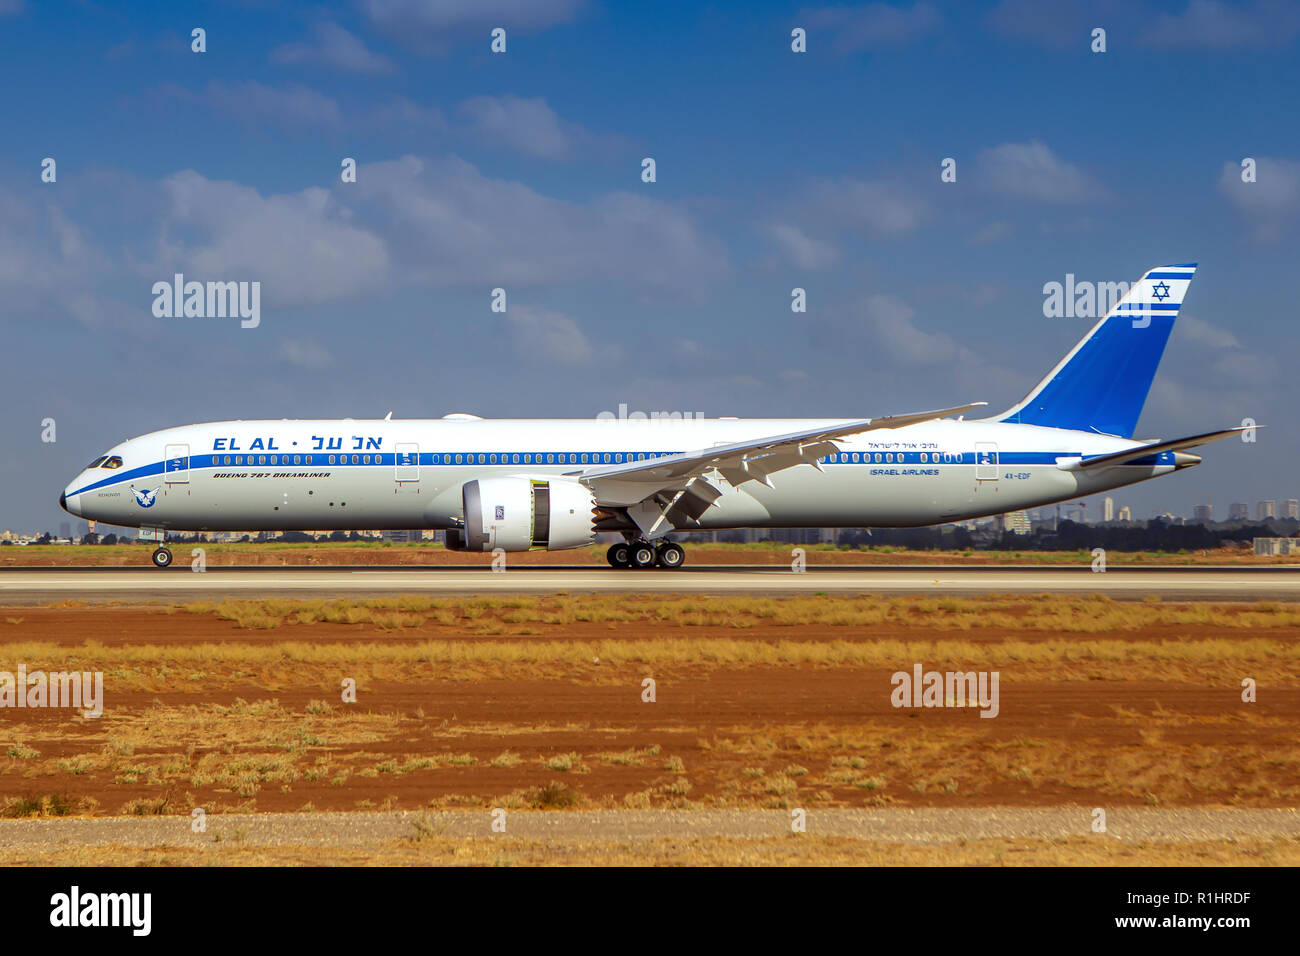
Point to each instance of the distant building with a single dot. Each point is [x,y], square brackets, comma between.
[1265,509]
[1203,513]
[1017,522]
[1291,508]
[1268,546]
[1108,509]
[1126,513]
[1239,511]
[403,536]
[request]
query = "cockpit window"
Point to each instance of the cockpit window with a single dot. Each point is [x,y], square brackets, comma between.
[97,462]
[114,462]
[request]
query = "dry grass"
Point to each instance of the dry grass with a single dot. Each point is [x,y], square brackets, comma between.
[802,850]
[1092,614]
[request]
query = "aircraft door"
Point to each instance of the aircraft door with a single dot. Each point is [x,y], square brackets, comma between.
[406,462]
[176,464]
[986,461]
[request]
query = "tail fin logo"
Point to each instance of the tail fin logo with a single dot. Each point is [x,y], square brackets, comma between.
[1161,291]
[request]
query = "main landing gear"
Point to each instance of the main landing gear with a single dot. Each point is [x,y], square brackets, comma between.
[643,554]
[162,558]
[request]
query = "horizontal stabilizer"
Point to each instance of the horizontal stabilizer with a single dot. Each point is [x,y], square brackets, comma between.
[1146,451]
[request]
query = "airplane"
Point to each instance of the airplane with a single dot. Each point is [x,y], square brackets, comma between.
[524,484]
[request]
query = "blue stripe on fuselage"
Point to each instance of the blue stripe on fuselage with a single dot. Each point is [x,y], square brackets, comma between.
[447,460]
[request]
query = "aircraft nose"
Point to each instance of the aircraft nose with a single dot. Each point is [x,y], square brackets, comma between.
[73,507]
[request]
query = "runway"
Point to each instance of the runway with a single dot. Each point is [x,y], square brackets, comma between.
[922,826]
[30,585]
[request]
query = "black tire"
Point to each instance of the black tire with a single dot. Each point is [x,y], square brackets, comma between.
[671,556]
[619,555]
[643,555]
[162,558]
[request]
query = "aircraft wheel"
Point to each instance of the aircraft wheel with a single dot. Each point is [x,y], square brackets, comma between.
[162,558]
[643,555]
[619,555]
[671,556]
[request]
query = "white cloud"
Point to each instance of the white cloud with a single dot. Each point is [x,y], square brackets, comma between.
[1200,332]
[303,246]
[1032,171]
[873,208]
[890,321]
[1209,24]
[550,336]
[47,261]
[527,126]
[253,103]
[305,353]
[335,47]
[1271,203]
[993,232]
[872,26]
[435,23]
[803,250]
[454,226]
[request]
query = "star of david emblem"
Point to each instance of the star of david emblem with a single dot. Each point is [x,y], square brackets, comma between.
[1161,291]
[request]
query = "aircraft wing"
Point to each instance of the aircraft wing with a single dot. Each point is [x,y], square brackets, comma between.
[1175,444]
[672,490]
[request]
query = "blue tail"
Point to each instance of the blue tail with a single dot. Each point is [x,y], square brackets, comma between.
[1103,383]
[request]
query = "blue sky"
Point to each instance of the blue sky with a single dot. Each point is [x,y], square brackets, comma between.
[522,170]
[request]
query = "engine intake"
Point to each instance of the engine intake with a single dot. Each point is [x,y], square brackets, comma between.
[517,514]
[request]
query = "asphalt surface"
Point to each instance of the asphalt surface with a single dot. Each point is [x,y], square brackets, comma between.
[915,826]
[27,585]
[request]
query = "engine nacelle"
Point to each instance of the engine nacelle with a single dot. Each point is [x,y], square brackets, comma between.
[516,514]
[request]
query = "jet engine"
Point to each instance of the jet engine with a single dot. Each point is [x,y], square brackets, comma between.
[516,514]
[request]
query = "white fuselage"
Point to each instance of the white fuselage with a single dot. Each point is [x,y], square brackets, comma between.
[379,474]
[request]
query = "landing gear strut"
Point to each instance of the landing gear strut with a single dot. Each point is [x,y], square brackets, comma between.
[643,554]
[162,558]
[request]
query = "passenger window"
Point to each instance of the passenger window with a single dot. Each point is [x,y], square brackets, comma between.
[261,459]
[309,459]
[550,459]
[331,459]
[114,462]
[239,459]
[227,461]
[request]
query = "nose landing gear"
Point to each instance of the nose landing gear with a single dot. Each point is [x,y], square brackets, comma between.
[643,555]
